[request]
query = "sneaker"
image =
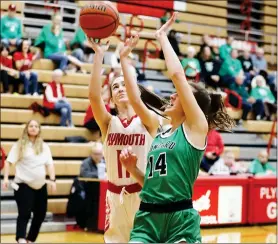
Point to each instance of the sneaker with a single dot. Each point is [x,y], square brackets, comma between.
[35,94]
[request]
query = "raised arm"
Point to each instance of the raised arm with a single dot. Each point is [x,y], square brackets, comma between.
[95,86]
[194,116]
[148,117]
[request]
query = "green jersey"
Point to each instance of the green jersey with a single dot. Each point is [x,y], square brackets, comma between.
[173,166]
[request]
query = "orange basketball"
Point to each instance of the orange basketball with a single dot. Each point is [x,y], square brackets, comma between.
[99,19]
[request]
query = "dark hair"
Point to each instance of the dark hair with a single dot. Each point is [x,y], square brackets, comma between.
[213,107]
[20,48]
[3,46]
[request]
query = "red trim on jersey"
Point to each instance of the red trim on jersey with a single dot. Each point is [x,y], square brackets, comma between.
[126,122]
[129,188]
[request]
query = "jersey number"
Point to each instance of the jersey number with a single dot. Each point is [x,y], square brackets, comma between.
[120,167]
[160,165]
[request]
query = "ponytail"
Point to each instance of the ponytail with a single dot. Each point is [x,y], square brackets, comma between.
[217,115]
[153,101]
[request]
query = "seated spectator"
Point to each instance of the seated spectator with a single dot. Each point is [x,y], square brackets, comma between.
[80,45]
[51,40]
[226,49]
[209,68]
[262,92]
[260,67]
[261,166]
[94,165]
[248,102]
[23,62]
[174,43]
[215,147]
[55,100]
[193,63]
[226,165]
[205,43]
[247,66]
[230,70]
[166,16]
[11,31]
[8,74]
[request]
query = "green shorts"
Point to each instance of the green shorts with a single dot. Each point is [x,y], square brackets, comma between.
[172,227]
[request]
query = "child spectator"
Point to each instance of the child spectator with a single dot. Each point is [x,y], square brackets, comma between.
[226,49]
[55,100]
[231,69]
[262,92]
[193,63]
[261,166]
[209,68]
[94,165]
[23,62]
[248,102]
[8,74]
[215,147]
[11,31]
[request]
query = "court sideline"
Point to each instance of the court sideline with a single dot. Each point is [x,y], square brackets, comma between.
[253,234]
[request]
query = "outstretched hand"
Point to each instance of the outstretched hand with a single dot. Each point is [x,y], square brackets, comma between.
[98,47]
[130,43]
[128,159]
[164,28]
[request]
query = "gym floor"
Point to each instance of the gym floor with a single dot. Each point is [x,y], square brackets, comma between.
[253,234]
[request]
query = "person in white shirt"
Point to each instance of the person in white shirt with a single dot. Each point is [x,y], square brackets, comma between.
[226,165]
[31,157]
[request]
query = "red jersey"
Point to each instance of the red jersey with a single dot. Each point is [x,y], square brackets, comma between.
[6,61]
[18,56]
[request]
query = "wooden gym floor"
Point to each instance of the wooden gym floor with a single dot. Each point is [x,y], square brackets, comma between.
[254,234]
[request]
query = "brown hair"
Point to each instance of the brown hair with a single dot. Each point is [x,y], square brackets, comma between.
[213,107]
[24,140]
[150,99]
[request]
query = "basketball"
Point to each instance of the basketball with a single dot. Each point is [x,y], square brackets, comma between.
[99,19]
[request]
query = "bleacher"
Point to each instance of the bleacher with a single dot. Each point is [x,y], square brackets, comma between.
[245,141]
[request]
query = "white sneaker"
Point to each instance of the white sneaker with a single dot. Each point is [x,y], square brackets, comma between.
[35,94]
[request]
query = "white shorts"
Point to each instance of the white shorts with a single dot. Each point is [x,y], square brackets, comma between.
[119,217]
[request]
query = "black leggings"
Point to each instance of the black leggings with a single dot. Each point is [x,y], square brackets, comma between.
[29,200]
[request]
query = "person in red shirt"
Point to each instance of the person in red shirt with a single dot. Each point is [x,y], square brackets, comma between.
[23,62]
[8,74]
[215,147]
[54,99]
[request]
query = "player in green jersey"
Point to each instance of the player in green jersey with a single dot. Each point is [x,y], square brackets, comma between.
[166,213]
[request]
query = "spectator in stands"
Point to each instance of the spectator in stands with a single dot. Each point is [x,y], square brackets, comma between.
[247,66]
[261,166]
[226,165]
[80,46]
[262,92]
[193,63]
[231,70]
[94,165]
[215,147]
[31,157]
[174,43]
[23,62]
[248,102]
[226,49]
[89,120]
[260,67]
[55,100]
[51,40]
[167,15]
[209,68]
[11,31]
[8,74]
